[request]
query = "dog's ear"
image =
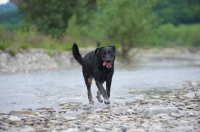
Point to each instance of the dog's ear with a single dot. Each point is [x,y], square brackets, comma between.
[113,48]
[97,51]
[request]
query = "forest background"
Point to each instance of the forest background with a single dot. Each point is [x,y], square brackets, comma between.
[127,24]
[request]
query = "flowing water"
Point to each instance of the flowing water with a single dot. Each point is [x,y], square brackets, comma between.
[48,88]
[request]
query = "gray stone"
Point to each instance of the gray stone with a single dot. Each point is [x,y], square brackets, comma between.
[139,98]
[99,130]
[189,95]
[19,112]
[2,113]
[71,130]
[122,129]
[178,115]
[118,111]
[69,118]
[135,130]
[197,94]
[157,110]
[28,129]
[12,119]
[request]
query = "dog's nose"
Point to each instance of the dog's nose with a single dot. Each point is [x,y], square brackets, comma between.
[108,60]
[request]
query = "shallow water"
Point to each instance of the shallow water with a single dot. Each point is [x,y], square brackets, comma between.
[48,88]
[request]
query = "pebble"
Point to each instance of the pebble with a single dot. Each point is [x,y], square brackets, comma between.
[28,129]
[13,119]
[19,112]
[118,111]
[99,130]
[189,95]
[157,110]
[160,113]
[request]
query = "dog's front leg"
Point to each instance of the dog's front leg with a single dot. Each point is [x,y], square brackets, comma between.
[103,92]
[108,84]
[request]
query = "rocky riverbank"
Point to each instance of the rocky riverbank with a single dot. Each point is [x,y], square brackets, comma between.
[177,110]
[40,59]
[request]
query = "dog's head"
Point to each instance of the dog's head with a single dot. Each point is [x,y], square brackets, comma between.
[106,56]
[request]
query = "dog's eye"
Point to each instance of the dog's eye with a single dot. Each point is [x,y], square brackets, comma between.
[110,52]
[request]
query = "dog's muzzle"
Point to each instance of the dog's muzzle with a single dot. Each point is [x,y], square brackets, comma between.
[107,64]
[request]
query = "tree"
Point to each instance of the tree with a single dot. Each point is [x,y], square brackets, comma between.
[50,16]
[178,11]
[124,22]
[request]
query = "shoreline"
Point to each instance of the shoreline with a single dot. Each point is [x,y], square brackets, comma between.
[40,59]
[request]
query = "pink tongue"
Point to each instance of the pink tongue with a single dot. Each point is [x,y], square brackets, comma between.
[104,64]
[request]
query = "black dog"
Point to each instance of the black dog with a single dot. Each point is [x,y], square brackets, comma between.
[98,64]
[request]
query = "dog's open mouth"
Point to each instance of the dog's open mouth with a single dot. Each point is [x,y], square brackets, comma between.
[106,64]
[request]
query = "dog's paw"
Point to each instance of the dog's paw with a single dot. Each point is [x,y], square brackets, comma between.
[106,101]
[91,102]
[99,99]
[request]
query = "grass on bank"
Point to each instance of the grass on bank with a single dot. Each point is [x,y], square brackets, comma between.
[166,35]
[30,38]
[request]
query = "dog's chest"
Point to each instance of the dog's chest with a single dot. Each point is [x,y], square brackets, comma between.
[106,75]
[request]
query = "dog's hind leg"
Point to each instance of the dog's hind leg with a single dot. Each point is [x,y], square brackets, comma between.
[99,96]
[88,82]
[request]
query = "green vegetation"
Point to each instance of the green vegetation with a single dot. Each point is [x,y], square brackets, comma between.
[29,38]
[128,23]
[169,35]
[124,23]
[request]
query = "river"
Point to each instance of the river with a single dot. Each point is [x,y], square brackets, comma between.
[48,88]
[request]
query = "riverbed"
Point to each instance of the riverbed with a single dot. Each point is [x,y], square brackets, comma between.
[48,88]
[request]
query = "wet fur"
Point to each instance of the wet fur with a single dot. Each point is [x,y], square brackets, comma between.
[92,68]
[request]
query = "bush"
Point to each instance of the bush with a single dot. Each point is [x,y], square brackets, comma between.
[182,35]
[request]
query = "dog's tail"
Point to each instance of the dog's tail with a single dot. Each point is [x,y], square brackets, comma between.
[76,53]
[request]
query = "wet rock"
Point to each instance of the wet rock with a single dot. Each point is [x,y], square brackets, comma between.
[99,130]
[157,110]
[5,128]
[122,129]
[2,113]
[155,97]
[37,113]
[183,129]
[54,131]
[49,109]
[28,129]
[19,112]
[69,118]
[187,83]
[71,130]
[14,120]
[135,130]
[107,126]
[197,94]
[189,95]
[139,98]
[118,111]
[177,115]
[98,110]
[179,104]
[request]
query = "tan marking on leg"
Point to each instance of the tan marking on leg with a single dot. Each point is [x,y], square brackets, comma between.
[90,80]
[90,98]
[98,94]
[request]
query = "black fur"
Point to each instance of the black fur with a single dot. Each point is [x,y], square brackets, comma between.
[98,64]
